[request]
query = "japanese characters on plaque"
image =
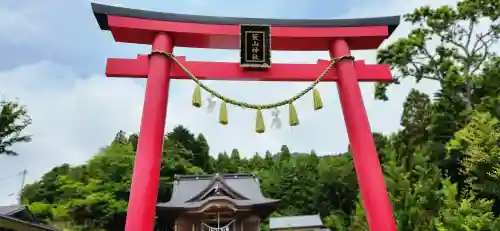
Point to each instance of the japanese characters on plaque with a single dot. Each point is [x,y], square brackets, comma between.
[255,46]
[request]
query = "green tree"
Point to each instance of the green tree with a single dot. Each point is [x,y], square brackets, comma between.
[284,153]
[201,154]
[133,140]
[256,163]
[337,186]
[94,196]
[479,141]
[14,119]
[461,51]
[465,214]
[224,164]
[451,46]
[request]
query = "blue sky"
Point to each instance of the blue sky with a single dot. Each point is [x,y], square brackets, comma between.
[53,59]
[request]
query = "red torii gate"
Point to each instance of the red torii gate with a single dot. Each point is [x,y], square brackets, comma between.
[164,31]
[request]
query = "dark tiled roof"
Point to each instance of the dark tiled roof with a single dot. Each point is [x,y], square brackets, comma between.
[187,187]
[101,13]
[11,209]
[17,224]
[295,222]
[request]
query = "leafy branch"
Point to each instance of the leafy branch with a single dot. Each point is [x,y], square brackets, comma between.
[447,45]
[14,120]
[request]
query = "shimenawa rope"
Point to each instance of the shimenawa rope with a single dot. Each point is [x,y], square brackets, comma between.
[260,128]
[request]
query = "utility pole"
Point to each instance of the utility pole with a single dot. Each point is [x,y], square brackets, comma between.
[23,180]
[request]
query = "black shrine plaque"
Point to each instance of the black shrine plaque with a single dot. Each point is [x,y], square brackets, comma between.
[255,46]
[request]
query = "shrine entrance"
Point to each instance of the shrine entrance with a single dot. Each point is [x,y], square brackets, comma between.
[252,37]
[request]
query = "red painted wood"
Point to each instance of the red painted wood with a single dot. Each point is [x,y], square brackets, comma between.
[146,175]
[136,30]
[138,68]
[370,177]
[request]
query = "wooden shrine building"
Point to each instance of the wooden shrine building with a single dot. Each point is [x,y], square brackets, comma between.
[229,202]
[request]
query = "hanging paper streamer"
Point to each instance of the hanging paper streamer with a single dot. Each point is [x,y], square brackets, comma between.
[224,228]
[211,103]
[276,123]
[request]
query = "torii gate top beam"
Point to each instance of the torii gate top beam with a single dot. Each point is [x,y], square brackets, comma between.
[140,26]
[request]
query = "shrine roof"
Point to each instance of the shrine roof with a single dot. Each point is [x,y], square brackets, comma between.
[188,188]
[11,209]
[101,13]
[306,221]
[12,223]
[12,217]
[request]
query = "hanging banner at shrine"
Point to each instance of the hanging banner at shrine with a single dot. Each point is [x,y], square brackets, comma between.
[255,46]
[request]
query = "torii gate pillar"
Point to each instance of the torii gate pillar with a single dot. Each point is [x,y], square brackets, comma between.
[366,162]
[146,175]
[163,31]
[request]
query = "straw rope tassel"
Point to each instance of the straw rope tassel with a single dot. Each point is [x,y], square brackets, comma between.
[318,102]
[223,114]
[197,96]
[293,119]
[260,127]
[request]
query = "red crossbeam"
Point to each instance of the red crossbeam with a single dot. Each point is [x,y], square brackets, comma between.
[142,31]
[138,68]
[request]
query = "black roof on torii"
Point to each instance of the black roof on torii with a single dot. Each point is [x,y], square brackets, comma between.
[193,191]
[102,11]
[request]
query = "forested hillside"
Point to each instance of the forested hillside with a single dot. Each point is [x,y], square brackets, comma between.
[442,168]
